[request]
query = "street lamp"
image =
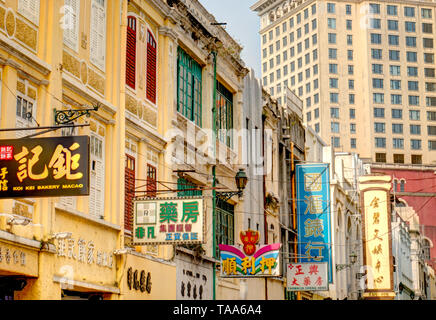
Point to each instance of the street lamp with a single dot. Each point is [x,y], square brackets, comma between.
[241,180]
[353,259]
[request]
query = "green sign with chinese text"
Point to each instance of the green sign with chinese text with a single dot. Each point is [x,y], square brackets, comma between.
[44,167]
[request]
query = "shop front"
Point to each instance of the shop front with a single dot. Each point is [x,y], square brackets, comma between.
[18,264]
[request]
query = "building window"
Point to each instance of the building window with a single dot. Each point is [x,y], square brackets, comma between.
[410,26]
[25,113]
[377,68]
[416,159]
[189,87]
[411,41]
[427,28]
[348,9]
[397,114]
[131,52]
[379,127]
[379,112]
[414,100]
[349,40]
[374,23]
[330,7]
[349,24]
[353,143]
[427,43]
[428,57]
[225,218]
[71,33]
[396,98]
[395,84]
[412,71]
[394,70]
[151,67]
[380,157]
[415,144]
[332,38]
[129,180]
[392,25]
[378,98]
[30,9]
[151,180]
[352,128]
[429,72]
[409,11]
[398,158]
[333,68]
[426,13]
[411,56]
[351,84]
[415,129]
[374,8]
[376,38]
[333,83]
[224,112]
[96,175]
[398,143]
[391,10]
[334,113]
[336,142]
[334,127]
[334,97]
[380,142]
[97,38]
[414,114]
[351,98]
[431,145]
[394,55]
[376,54]
[397,128]
[186,188]
[332,53]
[412,85]
[352,113]
[431,130]
[377,83]
[393,40]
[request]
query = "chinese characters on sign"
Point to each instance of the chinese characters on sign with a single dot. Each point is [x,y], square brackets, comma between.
[84,252]
[44,167]
[313,212]
[13,257]
[307,276]
[376,244]
[167,221]
[252,260]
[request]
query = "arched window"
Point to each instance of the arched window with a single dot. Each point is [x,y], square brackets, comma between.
[426,245]
[131,52]
[151,67]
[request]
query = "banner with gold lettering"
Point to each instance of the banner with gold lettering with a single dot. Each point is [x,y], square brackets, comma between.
[44,167]
[377,250]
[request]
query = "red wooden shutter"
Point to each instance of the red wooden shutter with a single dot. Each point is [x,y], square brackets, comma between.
[151,181]
[151,67]
[131,52]
[129,192]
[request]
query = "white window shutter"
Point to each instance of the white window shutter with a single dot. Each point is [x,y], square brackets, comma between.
[98,34]
[97,170]
[29,9]
[71,21]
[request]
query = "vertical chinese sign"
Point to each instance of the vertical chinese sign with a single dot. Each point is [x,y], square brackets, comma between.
[377,250]
[251,259]
[44,167]
[168,221]
[313,214]
[307,276]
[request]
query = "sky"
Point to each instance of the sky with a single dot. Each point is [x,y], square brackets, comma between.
[242,24]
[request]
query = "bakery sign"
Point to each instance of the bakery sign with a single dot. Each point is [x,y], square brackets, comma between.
[44,167]
[168,221]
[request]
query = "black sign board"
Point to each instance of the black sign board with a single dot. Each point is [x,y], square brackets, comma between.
[44,167]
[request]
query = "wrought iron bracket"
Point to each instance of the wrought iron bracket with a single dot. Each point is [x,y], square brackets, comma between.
[224,196]
[62,117]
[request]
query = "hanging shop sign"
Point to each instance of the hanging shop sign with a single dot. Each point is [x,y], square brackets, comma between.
[252,261]
[168,221]
[377,250]
[313,212]
[44,167]
[307,276]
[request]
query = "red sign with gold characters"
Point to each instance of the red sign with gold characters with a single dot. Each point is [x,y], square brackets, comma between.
[44,167]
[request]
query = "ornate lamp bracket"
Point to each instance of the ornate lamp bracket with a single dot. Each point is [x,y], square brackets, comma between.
[62,117]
